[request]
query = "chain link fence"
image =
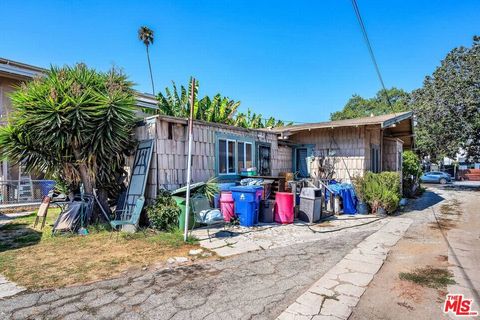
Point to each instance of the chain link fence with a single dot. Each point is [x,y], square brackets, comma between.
[24,191]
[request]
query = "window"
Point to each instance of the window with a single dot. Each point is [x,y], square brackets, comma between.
[375,158]
[226,156]
[234,154]
[244,154]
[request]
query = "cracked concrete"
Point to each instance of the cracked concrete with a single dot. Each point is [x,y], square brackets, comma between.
[8,288]
[238,240]
[340,289]
[253,285]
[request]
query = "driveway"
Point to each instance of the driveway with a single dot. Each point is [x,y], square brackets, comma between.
[444,235]
[253,285]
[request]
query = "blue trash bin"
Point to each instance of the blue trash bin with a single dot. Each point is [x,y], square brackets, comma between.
[46,186]
[247,204]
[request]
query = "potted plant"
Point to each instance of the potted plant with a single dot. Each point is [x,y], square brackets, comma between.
[358,183]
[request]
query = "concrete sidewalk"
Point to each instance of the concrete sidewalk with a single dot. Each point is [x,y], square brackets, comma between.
[237,240]
[335,294]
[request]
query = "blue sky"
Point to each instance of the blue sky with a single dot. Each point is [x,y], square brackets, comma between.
[295,60]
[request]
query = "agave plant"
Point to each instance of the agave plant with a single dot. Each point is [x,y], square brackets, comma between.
[74,123]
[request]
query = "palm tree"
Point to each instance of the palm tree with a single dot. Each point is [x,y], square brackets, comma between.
[145,35]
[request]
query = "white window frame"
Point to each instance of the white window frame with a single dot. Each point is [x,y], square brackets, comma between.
[226,157]
[244,153]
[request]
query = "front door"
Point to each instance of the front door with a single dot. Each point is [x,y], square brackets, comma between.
[301,162]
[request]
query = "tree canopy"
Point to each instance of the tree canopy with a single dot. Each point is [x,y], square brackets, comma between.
[447,107]
[220,109]
[74,123]
[358,107]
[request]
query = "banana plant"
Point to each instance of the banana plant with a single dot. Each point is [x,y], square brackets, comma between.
[219,109]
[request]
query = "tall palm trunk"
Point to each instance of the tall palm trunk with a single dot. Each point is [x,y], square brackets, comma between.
[150,68]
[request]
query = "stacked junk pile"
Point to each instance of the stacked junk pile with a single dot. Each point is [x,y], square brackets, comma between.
[261,199]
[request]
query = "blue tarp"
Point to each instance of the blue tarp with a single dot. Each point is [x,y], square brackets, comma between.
[347,193]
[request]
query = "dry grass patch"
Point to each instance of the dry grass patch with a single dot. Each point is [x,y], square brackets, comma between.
[37,260]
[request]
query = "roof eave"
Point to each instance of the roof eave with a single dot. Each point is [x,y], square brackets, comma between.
[396,119]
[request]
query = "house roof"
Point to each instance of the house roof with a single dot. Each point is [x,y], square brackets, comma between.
[184,121]
[384,121]
[20,70]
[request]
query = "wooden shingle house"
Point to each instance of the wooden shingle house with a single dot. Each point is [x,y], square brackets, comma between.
[357,145]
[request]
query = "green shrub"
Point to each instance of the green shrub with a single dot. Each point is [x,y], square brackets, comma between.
[382,190]
[358,183]
[411,170]
[163,214]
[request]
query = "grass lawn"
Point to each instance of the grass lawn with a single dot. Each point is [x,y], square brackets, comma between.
[35,259]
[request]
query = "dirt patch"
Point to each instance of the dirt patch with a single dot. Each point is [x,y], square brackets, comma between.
[405,305]
[409,291]
[437,278]
[442,224]
[391,296]
[442,258]
[326,223]
[451,208]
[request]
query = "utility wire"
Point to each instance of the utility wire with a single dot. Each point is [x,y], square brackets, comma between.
[370,50]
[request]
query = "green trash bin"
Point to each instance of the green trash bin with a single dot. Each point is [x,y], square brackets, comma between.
[182,203]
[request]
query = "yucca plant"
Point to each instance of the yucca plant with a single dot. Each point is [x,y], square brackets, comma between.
[74,124]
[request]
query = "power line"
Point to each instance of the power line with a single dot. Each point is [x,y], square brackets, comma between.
[370,50]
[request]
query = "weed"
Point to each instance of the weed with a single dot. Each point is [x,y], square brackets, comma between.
[429,277]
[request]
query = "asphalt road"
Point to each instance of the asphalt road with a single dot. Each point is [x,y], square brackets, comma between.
[255,285]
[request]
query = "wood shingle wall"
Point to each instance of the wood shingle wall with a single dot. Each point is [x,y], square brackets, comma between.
[391,149]
[283,160]
[169,163]
[348,144]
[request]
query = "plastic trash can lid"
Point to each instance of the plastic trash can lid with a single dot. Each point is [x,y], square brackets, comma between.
[246,188]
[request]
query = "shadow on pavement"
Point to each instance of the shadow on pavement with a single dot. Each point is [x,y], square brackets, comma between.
[461,187]
[428,199]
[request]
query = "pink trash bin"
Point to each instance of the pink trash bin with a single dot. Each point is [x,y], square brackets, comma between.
[227,205]
[284,207]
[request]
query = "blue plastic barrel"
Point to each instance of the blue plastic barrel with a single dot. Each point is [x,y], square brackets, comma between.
[247,204]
